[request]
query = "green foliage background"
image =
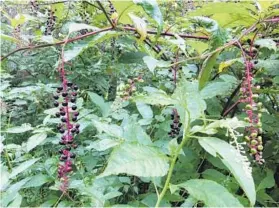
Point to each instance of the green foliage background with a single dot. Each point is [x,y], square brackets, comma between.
[125,157]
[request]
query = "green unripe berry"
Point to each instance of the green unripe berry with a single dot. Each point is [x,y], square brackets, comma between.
[247,138]
[255,95]
[259,124]
[253,135]
[248,107]
[260,104]
[253,151]
[260,138]
[254,142]
[259,115]
[260,147]
[260,130]
[247,119]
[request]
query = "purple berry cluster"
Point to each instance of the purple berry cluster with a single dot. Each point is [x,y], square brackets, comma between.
[175,125]
[65,99]
[34,6]
[50,22]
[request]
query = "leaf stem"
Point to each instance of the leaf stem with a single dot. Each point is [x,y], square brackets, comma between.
[185,137]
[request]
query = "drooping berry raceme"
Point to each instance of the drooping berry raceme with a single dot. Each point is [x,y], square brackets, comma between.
[65,99]
[253,110]
[175,125]
[130,88]
[34,6]
[50,22]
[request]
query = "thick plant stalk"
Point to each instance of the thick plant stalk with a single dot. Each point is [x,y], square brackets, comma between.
[173,161]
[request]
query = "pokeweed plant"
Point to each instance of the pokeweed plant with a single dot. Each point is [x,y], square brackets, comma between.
[194,122]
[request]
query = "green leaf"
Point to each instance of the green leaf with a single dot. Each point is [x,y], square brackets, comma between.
[103,144]
[17,201]
[152,9]
[37,181]
[150,62]
[145,110]
[22,167]
[138,160]
[266,43]
[140,26]
[8,38]
[234,161]
[267,182]
[207,69]
[99,101]
[110,129]
[20,129]
[270,66]
[158,97]
[210,193]
[35,140]
[4,175]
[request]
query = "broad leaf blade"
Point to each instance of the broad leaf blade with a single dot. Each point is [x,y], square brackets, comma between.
[207,69]
[35,140]
[234,161]
[138,160]
[22,167]
[211,193]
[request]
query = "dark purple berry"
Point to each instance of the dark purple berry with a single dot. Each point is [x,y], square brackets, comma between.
[74,94]
[56,104]
[59,126]
[75,87]
[73,130]
[77,125]
[57,114]
[74,146]
[69,84]
[62,113]
[73,155]
[60,88]
[62,131]
[70,142]
[77,131]
[64,94]
[65,104]
[76,113]
[73,100]
[61,151]
[74,118]
[63,119]
[68,148]
[180,124]
[56,97]
[61,143]
[74,107]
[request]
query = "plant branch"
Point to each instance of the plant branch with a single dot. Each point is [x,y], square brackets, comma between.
[106,14]
[185,137]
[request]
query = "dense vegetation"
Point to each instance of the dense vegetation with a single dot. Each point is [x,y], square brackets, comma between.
[139,103]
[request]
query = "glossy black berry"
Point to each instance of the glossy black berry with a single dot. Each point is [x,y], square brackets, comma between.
[249,41]
[63,119]
[56,104]
[180,124]
[73,100]
[64,94]
[62,113]
[68,148]
[61,151]
[57,114]
[77,125]
[74,94]
[73,130]
[56,97]
[64,104]
[61,143]
[74,107]
[59,126]
[77,131]
[62,131]
[74,118]
[74,146]
[70,142]
[73,155]
[60,88]
[69,84]
[75,87]
[76,113]
[255,62]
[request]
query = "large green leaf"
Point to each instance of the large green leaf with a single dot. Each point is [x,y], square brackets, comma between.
[145,110]
[35,140]
[99,101]
[110,129]
[158,97]
[207,69]
[267,182]
[20,129]
[234,161]
[22,167]
[210,193]
[138,160]
[152,9]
